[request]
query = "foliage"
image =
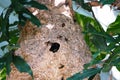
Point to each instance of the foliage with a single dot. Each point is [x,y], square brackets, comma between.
[3,74]
[84,5]
[9,34]
[94,2]
[24,67]
[86,73]
[103,2]
[101,43]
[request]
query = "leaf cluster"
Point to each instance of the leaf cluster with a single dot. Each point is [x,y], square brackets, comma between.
[89,3]
[20,63]
[9,34]
[101,43]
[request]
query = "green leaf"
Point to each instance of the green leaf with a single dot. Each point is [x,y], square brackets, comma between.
[22,20]
[23,1]
[91,63]
[103,2]
[3,44]
[93,31]
[117,50]
[14,36]
[28,15]
[116,61]
[75,77]
[99,42]
[33,3]
[8,62]
[5,61]
[85,74]
[36,5]
[2,63]
[14,40]
[118,65]
[96,54]
[16,6]
[83,5]
[4,24]
[92,77]
[14,24]
[3,74]
[97,38]
[114,27]
[117,38]
[115,54]
[24,13]
[22,65]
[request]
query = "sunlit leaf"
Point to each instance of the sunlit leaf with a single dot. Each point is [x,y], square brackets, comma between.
[114,27]
[3,43]
[111,46]
[117,50]
[14,40]
[14,24]
[14,36]
[5,61]
[3,74]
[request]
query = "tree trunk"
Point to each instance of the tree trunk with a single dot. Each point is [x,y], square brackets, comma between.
[54,51]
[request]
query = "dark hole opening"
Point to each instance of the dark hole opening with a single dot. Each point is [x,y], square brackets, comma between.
[63,24]
[74,20]
[66,39]
[59,36]
[62,78]
[61,66]
[54,47]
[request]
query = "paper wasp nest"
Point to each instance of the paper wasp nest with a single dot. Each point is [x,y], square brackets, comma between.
[54,51]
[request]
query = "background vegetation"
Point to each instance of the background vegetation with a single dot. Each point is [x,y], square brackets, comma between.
[101,43]
[9,34]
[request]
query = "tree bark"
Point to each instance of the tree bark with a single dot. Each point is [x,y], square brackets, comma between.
[54,51]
